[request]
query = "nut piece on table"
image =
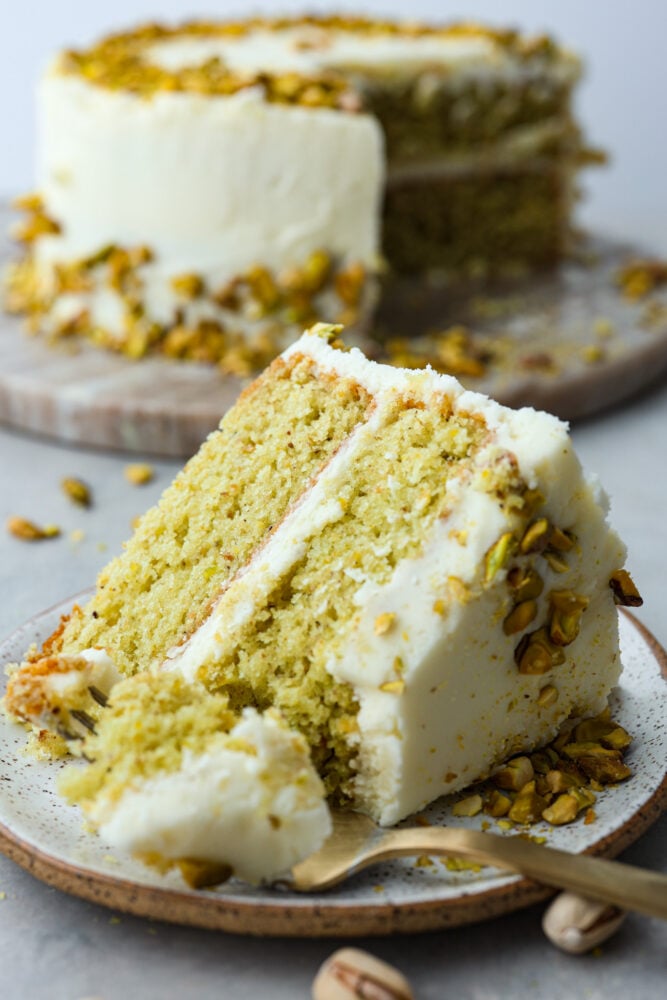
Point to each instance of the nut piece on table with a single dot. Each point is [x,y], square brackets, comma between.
[28,531]
[351,974]
[139,473]
[577,924]
[77,491]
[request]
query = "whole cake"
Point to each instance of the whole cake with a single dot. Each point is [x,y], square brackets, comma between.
[208,190]
[419,581]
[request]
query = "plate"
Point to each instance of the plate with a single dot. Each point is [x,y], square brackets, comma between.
[43,834]
[563,340]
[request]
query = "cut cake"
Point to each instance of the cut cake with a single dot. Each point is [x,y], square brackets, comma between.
[208,190]
[418,581]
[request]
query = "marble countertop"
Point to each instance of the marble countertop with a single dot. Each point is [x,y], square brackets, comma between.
[60,948]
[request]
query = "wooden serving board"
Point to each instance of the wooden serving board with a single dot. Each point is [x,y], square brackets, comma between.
[540,338]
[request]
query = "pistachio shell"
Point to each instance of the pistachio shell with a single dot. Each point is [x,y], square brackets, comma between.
[352,974]
[577,924]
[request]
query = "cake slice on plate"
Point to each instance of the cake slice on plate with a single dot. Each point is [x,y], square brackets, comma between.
[419,581]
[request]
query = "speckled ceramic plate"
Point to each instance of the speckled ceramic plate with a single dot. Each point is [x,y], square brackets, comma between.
[46,836]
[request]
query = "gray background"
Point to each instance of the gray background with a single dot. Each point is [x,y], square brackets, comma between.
[53,947]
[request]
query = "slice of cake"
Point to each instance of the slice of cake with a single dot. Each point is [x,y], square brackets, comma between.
[178,778]
[419,580]
[207,190]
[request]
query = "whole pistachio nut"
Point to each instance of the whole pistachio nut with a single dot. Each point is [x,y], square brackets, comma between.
[577,924]
[351,974]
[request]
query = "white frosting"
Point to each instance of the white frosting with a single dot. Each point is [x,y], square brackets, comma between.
[213,187]
[256,803]
[89,667]
[464,699]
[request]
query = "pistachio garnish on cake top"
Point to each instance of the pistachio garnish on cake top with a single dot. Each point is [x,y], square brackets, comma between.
[367,550]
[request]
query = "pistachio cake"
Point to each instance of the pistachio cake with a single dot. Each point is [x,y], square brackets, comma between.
[178,778]
[420,581]
[208,190]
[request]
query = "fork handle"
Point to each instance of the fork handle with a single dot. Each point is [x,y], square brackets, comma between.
[625,886]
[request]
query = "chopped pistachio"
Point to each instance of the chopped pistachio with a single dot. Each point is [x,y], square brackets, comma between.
[593,730]
[624,589]
[497,804]
[263,288]
[469,806]
[584,796]
[556,562]
[562,781]
[561,541]
[520,617]
[349,282]
[617,739]
[515,774]
[526,583]
[316,270]
[562,810]
[393,687]
[498,555]
[536,536]
[548,696]
[28,531]
[566,609]
[139,473]
[532,500]
[201,874]
[536,654]
[189,286]
[77,491]
[528,806]
[599,763]
[384,623]
[543,760]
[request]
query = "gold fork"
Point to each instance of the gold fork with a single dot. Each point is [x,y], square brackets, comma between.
[356,842]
